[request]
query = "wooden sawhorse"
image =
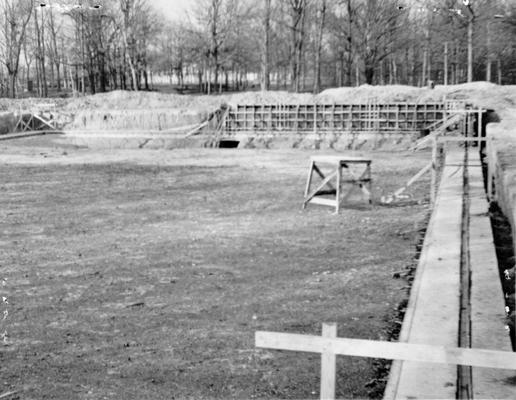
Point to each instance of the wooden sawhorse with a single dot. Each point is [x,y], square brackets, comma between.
[338,164]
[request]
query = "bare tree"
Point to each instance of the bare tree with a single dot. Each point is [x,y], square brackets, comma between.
[39,28]
[320,23]
[54,55]
[15,16]
[378,23]
[127,7]
[297,12]
[266,44]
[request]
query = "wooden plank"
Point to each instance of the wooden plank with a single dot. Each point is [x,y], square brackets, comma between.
[339,186]
[328,364]
[309,179]
[460,139]
[433,178]
[336,160]
[323,202]
[27,134]
[388,350]
[414,179]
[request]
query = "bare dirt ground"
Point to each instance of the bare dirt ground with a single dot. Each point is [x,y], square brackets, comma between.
[144,274]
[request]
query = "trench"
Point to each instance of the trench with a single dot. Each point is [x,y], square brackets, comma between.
[502,235]
[504,244]
[464,376]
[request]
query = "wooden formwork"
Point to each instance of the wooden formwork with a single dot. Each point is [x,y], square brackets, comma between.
[395,117]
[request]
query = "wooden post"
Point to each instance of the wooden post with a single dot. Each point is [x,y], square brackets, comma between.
[333,128]
[397,117]
[479,127]
[309,181]
[490,168]
[297,119]
[328,364]
[433,181]
[350,119]
[315,118]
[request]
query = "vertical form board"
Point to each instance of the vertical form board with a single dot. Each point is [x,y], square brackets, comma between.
[297,119]
[328,365]
[399,115]
[254,119]
[487,302]
[315,118]
[432,315]
[333,128]
[350,118]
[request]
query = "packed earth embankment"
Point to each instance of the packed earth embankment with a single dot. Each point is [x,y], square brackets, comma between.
[147,119]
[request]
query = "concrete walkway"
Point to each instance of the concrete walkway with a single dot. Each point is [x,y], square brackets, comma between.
[434,310]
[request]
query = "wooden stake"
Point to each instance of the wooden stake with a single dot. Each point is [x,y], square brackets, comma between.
[479,127]
[328,365]
[490,169]
[434,171]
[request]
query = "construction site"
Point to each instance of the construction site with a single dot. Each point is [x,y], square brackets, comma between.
[358,243]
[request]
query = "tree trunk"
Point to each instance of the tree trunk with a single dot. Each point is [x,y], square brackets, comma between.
[12,84]
[470,47]
[128,56]
[265,70]
[350,43]
[320,31]
[297,30]
[369,74]
[499,70]
[445,63]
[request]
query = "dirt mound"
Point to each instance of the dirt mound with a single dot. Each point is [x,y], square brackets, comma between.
[368,93]
[271,97]
[125,100]
[482,94]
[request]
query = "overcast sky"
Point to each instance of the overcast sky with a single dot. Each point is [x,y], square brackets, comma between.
[174,9]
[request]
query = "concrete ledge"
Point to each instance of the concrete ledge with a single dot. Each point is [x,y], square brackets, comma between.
[432,315]
[487,302]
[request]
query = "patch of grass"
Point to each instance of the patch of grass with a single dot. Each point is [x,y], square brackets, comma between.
[141,281]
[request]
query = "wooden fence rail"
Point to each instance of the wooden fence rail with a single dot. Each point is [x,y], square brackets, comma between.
[328,345]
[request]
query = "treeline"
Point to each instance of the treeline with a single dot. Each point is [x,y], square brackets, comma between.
[93,46]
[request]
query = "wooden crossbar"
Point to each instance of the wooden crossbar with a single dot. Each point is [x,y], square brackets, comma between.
[452,119]
[327,344]
[443,139]
[324,183]
[43,121]
[414,179]
[319,172]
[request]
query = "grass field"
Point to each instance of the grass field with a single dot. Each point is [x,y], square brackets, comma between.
[144,274]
